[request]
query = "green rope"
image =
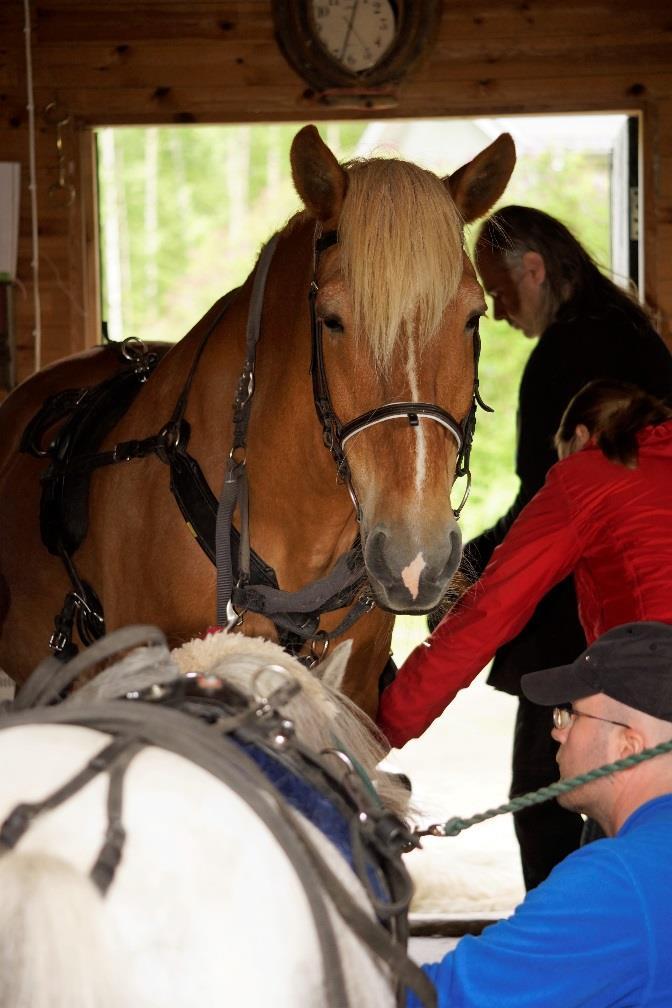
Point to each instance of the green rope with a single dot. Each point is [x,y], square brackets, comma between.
[456,825]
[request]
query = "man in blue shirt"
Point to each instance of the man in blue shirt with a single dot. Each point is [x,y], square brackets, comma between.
[595,933]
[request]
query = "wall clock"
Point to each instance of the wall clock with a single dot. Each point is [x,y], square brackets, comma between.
[354,45]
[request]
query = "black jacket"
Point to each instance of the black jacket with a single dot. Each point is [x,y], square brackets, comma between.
[586,341]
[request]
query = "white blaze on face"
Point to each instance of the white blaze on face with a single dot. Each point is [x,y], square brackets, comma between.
[421,444]
[411,575]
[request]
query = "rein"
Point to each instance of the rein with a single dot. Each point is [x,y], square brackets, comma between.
[455,825]
[336,434]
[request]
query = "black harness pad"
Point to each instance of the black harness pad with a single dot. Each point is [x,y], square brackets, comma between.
[81,418]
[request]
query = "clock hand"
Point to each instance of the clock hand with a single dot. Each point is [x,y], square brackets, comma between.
[353,11]
[363,42]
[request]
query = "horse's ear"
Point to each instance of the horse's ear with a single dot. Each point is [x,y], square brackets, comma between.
[318,178]
[330,672]
[477,185]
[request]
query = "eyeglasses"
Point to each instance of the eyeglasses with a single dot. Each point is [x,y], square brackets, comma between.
[562,717]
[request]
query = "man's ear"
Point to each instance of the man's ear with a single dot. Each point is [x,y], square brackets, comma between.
[581,436]
[534,265]
[633,742]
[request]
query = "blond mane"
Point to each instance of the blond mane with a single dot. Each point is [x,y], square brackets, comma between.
[400,238]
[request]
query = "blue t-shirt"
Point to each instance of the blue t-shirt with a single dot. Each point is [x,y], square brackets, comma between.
[595,934]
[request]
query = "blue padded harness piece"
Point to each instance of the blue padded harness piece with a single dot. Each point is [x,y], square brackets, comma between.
[316,807]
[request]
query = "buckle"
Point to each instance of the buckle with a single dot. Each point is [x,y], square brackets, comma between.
[126,450]
[58,641]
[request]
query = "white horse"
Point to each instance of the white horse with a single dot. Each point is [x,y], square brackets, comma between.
[206,908]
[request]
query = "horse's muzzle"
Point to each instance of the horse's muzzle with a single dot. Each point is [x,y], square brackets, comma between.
[411,578]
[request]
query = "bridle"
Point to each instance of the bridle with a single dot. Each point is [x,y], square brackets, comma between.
[336,434]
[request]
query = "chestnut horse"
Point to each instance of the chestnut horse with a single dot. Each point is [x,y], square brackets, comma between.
[395,306]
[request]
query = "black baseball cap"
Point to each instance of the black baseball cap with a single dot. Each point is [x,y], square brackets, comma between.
[630,663]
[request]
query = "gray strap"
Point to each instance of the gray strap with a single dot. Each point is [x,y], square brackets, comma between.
[257,298]
[51,676]
[344,574]
[368,930]
[20,818]
[234,487]
[225,508]
[103,871]
[304,628]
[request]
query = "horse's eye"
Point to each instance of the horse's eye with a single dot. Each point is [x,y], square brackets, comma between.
[333,323]
[472,322]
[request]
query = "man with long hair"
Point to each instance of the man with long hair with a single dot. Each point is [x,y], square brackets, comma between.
[543,282]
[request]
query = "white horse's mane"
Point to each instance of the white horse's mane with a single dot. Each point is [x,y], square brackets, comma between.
[324,717]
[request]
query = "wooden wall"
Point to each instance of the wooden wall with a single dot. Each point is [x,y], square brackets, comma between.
[201,61]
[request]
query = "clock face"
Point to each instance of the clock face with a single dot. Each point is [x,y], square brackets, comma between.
[354,44]
[355,33]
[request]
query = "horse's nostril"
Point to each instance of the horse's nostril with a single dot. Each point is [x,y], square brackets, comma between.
[374,555]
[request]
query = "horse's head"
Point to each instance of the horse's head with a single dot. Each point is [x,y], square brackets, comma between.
[397,305]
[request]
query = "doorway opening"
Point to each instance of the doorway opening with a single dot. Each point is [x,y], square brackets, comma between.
[184,211]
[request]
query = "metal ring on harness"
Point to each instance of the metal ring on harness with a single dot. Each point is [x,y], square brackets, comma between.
[342,756]
[262,698]
[233,618]
[133,349]
[465,495]
[315,657]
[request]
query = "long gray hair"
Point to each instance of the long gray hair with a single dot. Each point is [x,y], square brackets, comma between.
[571,273]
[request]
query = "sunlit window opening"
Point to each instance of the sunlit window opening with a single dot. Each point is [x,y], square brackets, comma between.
[184,212]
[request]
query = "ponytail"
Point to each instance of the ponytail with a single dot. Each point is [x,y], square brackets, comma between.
[614,412]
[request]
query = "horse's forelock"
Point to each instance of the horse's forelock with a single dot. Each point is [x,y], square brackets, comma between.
[401,251]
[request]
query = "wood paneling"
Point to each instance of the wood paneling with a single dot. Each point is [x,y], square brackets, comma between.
[121,61]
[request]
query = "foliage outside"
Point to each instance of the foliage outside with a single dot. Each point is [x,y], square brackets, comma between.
[185,210]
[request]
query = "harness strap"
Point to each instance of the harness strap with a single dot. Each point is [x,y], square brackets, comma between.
[234,487]
[308,630]
[345,574]
[233,480]
[104,869]
[367,930]
[20,818]
[411,411]
[52,677]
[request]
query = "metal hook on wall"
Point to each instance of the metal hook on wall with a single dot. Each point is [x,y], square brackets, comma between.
[62,192]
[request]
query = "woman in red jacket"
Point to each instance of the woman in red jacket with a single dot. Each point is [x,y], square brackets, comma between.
[604,513]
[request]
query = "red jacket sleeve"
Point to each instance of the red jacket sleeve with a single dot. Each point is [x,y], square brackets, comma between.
[541,548]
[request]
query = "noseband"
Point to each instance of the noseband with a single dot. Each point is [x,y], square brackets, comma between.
[336,434]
